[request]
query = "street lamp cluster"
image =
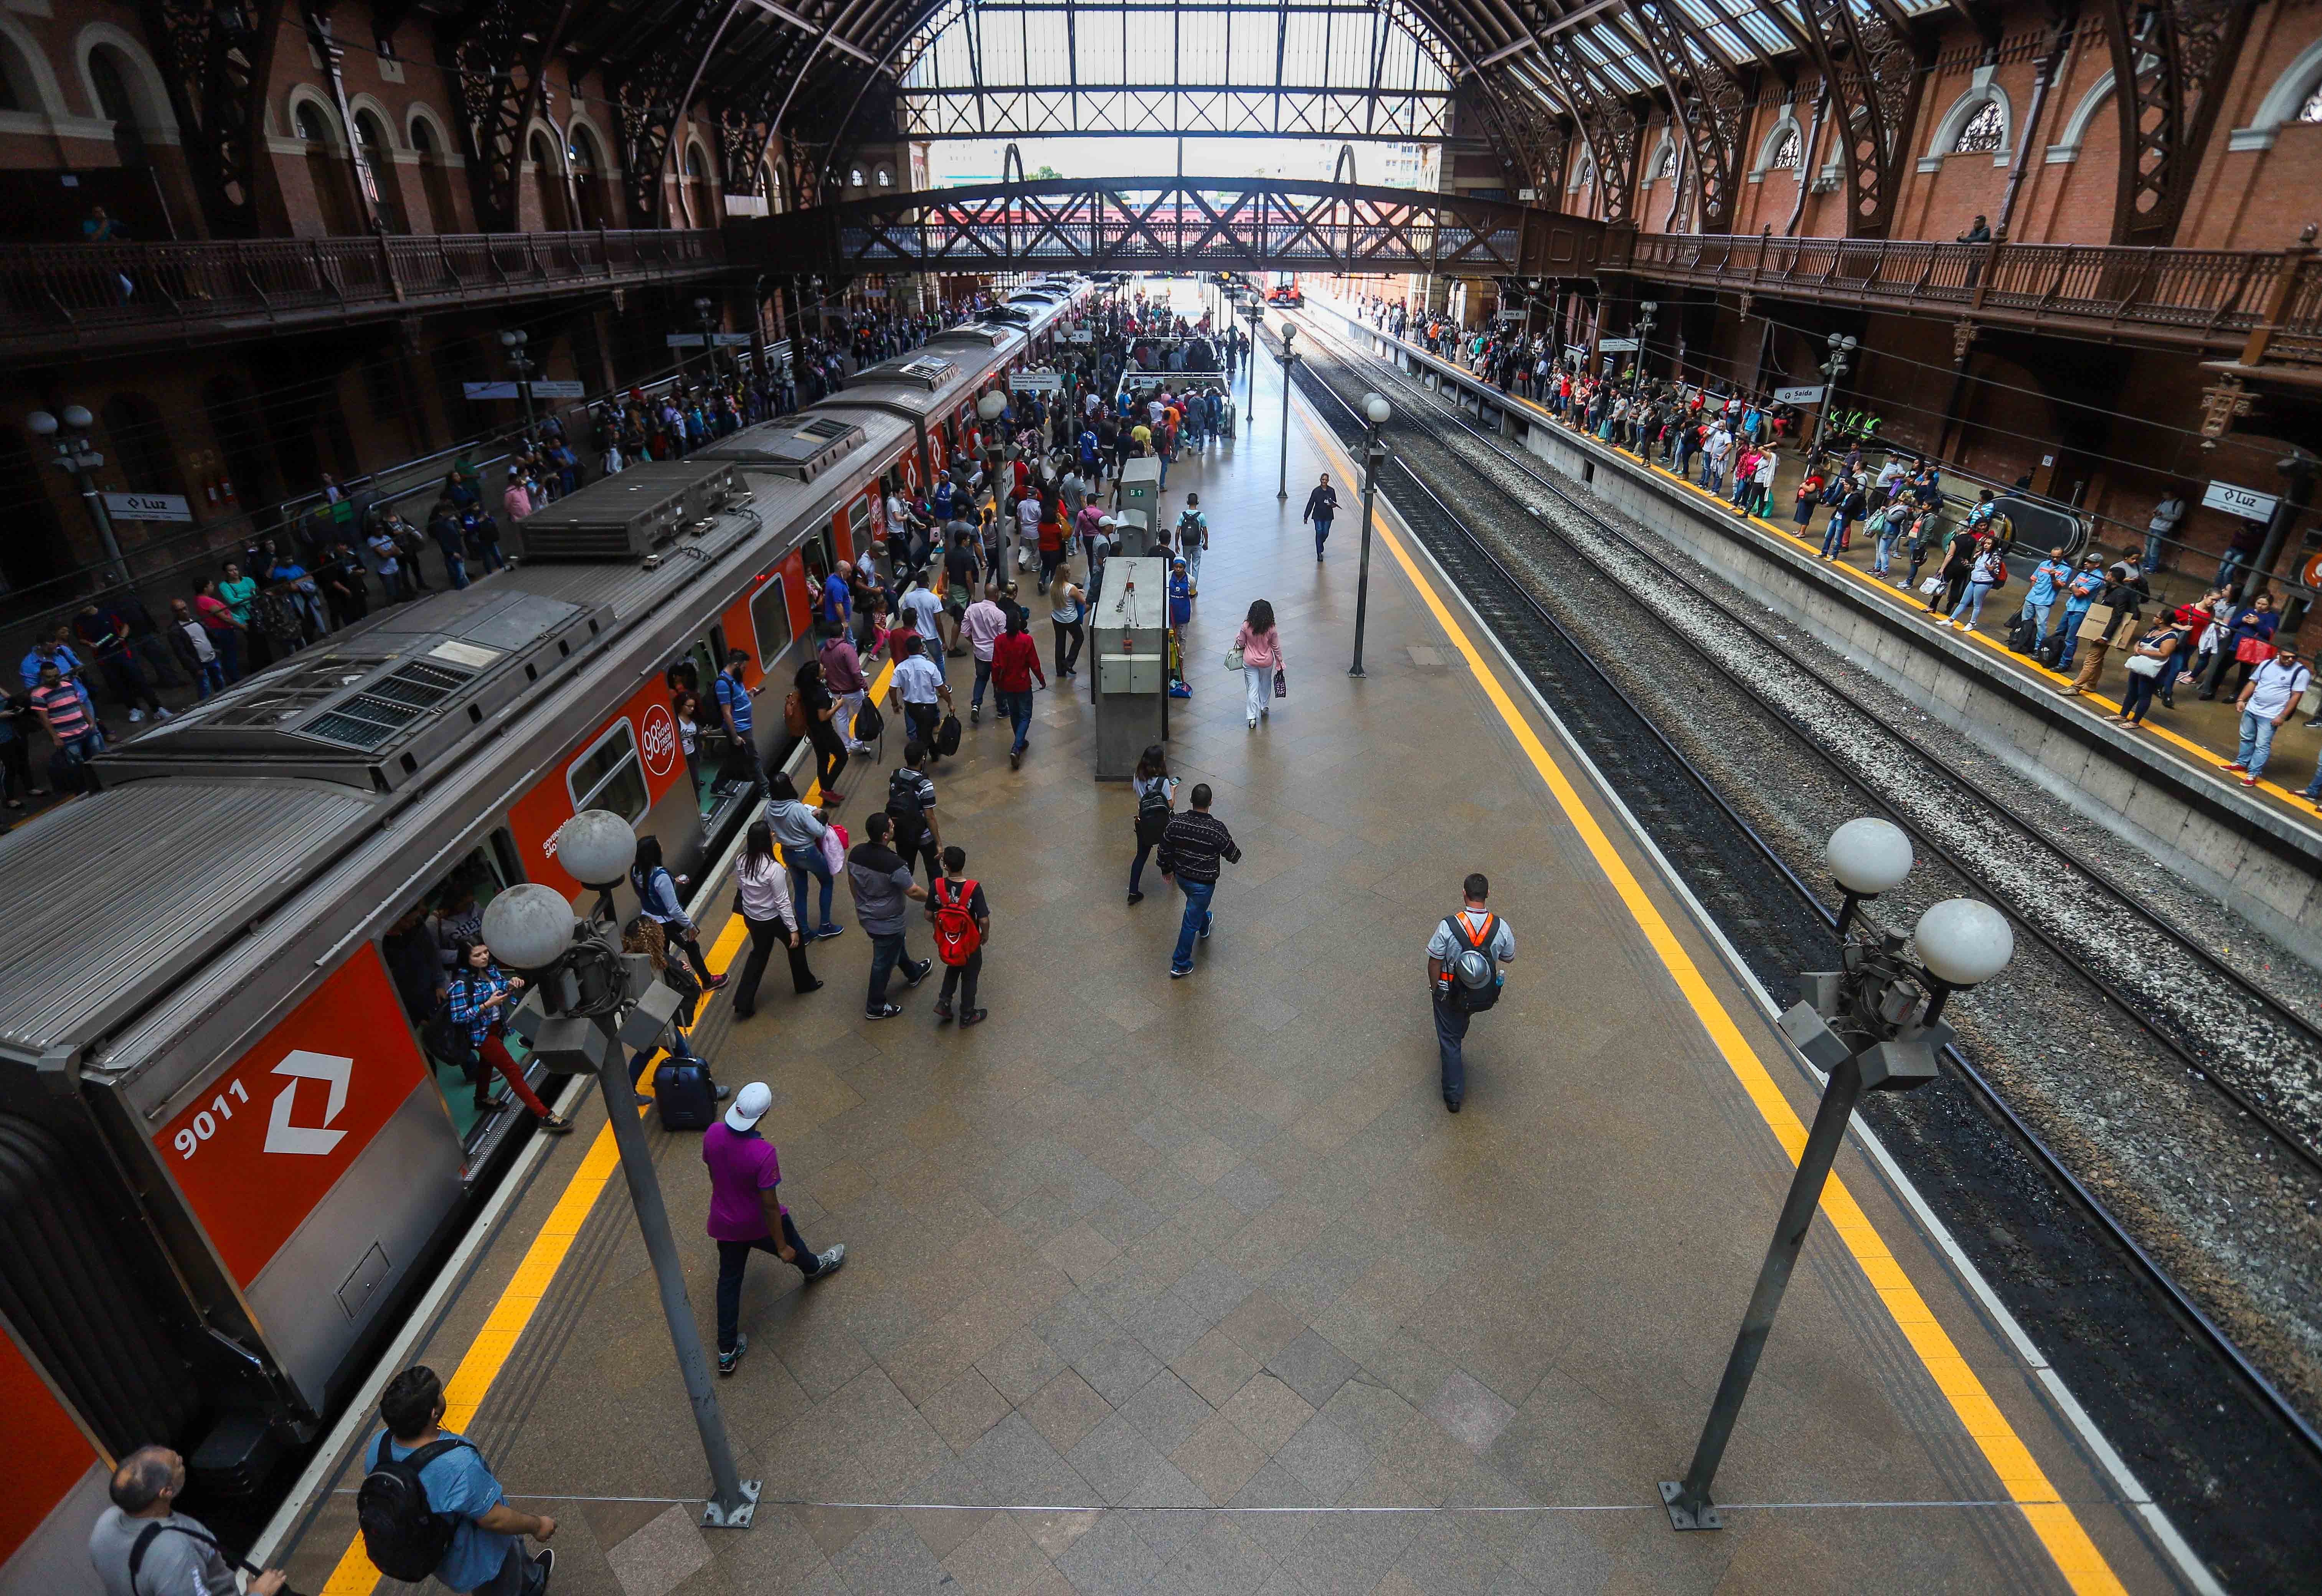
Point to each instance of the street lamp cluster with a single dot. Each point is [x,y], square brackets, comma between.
[1873,1025]
[514,341]
[1843,346]
[76,457]
[590,1005]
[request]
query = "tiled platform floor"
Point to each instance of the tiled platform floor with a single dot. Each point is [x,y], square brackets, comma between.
[1140,1250]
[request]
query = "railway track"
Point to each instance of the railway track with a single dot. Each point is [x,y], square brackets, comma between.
[2187,1406]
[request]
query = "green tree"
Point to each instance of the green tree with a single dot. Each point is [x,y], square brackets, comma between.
[1045,173]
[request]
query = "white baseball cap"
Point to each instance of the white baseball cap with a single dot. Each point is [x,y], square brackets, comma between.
[750,1105]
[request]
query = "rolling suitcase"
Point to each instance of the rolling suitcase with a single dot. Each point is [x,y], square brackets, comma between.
[682,1094]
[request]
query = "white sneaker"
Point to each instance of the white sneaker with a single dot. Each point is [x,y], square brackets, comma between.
[136,715]
[160,715]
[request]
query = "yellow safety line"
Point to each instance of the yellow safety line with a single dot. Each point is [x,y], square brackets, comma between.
[489,1352]
[2207,755]
[2076,1556]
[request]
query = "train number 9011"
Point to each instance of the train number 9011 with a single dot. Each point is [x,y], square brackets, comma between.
[205,1125]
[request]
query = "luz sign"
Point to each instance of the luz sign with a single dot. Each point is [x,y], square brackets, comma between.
[2246,502]
[147,506]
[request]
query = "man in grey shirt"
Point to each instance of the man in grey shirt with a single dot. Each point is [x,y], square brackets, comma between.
[1475,928]
[180,1556]
[881,879]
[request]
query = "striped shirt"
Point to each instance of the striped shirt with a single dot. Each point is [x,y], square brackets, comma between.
[1192,845]
[68,713]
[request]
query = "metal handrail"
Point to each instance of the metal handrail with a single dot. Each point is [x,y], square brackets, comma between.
[112,293]
[2212,297]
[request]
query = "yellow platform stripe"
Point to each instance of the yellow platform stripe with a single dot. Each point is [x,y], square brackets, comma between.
[512,1312]
[2060,1531]
[2207,755]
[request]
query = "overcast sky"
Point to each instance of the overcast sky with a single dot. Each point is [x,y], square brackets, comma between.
[953,161]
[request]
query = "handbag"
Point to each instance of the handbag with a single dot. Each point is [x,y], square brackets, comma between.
[834,848]
[1932,586]
[1234,658]
[1281,683]
[2143,665]
[2253,650]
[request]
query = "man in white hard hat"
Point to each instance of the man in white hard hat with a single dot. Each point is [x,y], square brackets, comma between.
[1463,974]
[744,1214]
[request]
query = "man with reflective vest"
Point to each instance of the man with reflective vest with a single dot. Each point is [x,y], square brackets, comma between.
[1463,976]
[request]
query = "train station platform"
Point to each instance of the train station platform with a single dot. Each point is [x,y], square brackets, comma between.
[2162,788]
[1193,1285]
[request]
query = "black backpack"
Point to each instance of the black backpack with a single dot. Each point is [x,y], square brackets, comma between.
[450,1039]
[870,725]
[406,1538]
[903,809]
[1152,815]
[145,1544]
[1469,999]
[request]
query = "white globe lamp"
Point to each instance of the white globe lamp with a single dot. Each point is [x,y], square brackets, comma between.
[528,927]
[990,406]
[1376,407]
[596,847]
[1964,943]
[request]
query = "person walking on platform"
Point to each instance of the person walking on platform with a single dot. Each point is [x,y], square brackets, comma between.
[1015,663]
[142,1546]
[1153,788]
[745,1215]
[799,830]
[486,1555]
[880,882]
[1463,957]
[920,695]
[657,890]
[1067,616]
[1322,507]
[961,921]
[1195,847]
[1260,644]
[762,887]
[911,804]
[479,1001]
[2273,692]
[982,623]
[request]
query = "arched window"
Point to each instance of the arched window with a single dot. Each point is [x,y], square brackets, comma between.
[1789,151]
[855,178]
[587,178]
[2312,110]
[324,169]
[16,90]
[423,136]
[547,181]
[1666,169]
[378,160]
[376,147]
[1982,134]
[886,178]
[105,71]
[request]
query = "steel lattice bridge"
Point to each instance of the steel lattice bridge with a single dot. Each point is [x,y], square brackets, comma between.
[1208,223]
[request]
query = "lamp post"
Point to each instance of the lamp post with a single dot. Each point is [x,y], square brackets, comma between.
[1376,411]
[990,407]
[1645,317]
[704,314]
[1865,1025]
[513,341]
[588,1005]
[76,458]
[1254,309]
[1842,347]
[1289,365]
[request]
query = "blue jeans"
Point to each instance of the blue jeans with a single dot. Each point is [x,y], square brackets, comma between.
[457,565]
[1195,924]
[1321,534]
[983,680]
[1972,604]
[2038,613]
[734,1258]
[1831,534]
[1884,559]
[2257,743]
[1450,1031]
[518,1575]
[2073,615]
[799,871]
[209,678]
[1018,708]
[2314,788]
[887,952]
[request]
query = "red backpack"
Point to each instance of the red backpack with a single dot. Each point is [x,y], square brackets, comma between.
[957,935]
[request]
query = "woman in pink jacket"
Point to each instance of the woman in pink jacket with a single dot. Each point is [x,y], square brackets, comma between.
[1261,659]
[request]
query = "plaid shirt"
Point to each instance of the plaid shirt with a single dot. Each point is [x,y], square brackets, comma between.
[471,991]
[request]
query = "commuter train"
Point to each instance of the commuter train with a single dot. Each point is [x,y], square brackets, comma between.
[227,1165]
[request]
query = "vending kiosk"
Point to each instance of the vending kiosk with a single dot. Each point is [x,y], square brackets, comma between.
[1128,638]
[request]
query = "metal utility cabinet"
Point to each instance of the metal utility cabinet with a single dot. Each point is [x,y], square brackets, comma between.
[1129,639]
[1139,488]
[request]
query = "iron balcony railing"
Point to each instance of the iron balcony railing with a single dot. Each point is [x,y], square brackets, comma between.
[2267,301]
[60,298]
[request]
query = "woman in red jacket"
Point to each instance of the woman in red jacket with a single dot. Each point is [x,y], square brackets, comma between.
[1015,661]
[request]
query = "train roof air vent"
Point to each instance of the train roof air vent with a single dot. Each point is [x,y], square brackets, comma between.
[926,372]
[799,449]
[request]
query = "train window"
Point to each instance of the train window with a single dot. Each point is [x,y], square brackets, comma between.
[610,776]
[770,615]
[421,949]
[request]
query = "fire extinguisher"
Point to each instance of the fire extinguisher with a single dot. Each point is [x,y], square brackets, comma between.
[210,491]
[226,487]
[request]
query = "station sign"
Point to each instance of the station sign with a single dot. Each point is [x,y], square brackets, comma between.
[1034,382]
[1618,346]
[147,506]
[1798,396]
[1079,335]
[514,390]
[559,390]
[2246,502]
[717,341]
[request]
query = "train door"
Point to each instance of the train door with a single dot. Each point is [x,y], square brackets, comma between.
[422,950]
